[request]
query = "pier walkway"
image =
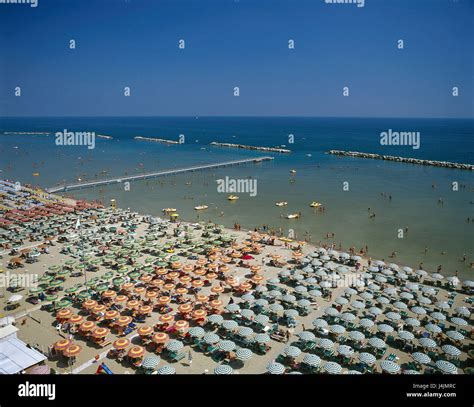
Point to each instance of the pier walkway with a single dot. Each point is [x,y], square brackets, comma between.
[116,180]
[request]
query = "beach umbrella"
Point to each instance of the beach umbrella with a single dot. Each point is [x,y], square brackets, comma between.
[341,301]
[306,336]
[337,329]
[215,319]
[262,338]
[304,303]
[166,370]
[375,310]
[312,360]
[261,302]
[433,328]
[446,367]
[428,290]
[326,343]
[348,317]
[292,351]
[315,293]
[421,358]
[288,298]
[459,321]
[245,331]
[406,336]
[248,297]
[366,295]
[291,313]
[366,323]
[464,311]
[223,370]
[384,328]
[261,319]
[421,273]
[357,304]
[211,338]
[274,293]
[174,345]
[196,332]
[455,335]
[389,366]
[443,305]
[367,358]
[438,316]
[72,350]
[406,296]
[356,336]
[319,323]
[333,312]
[150,362]
[345,350]
[427,343]
[419,310]
[232,307]
[14,298]
[412,286]
[247,313]
[226,346]
[380,279]
[412,322]
[400,305]
[229,325]
[393,316]
[243,354]
[332,367]
[377,343]
[350,291]
[451,350]
[275,368]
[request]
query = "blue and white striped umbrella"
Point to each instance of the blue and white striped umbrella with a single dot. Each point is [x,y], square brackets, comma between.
[437,276]
[232,307]
[284,273]
[243,354]
[247,313]
[455,335]
[311,280]
[421,273]
[312,360]
[356,336]
[276,308]
[229,325]
[288,298]
[348,317]
[421,357]
[321,273]
[407,269]
[304,303]
[307,269]
[367,358]
[464,311]
[366,295]
[377,343]
[319,323]
[438,316]
[247,297]
[174,345]
[451,350]
[356,372]
[301,289]
[412,322]
[389,366]
[443,305]
[446,367]
[306,336]
[291,313]
[433,328]
[406,296]
[350,291]
[381,279]
[345,350]
[419,310]
[274,293]
[215,319]
[275,368]
[393,316]
[423,300]
[223,370]
[292,351]
[400,305]
[383,300]
[332,367]
[166,370]
[150,362]
[261,289]
[459,321]
[326,343]
[406,335]
[428,290]
[366,323]
[211,338]
[315,293]
[337,329]
[375,310]
[226,345]
[412,286]
[373,287]
[427,343]
[342,301]
[357,304]
[325,284]
[402,276]
[245,331]
[384,328]
[196,332]
[261,319]
[262,338]
[333,312]
[261,302]
[298,277]
[411,371]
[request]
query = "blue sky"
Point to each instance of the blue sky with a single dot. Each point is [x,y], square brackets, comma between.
[240,43]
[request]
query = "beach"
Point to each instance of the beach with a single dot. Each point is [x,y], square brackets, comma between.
[303,302]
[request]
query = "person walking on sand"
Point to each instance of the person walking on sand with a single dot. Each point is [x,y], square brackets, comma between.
[190,359]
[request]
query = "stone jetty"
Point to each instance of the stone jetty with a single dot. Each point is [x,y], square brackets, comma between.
[443,164]
[157,140]
[245,147]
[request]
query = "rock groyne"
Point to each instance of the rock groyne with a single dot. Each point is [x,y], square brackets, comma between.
[156,140]
[433,163]
[245,147]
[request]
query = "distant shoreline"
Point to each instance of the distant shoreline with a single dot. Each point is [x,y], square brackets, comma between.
[433,163]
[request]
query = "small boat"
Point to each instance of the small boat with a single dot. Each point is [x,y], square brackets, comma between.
[293,216]
[315,204]
[168,210]
[36,174]
[201,207]
[281,203]
[292,171]
[232,197]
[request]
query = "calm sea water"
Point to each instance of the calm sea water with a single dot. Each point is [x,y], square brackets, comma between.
[441,228]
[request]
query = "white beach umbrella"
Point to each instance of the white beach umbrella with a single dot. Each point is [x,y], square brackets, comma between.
[446,367]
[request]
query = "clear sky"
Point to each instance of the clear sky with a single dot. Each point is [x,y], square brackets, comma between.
[240,43]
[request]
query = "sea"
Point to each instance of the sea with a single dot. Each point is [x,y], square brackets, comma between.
[403,213]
